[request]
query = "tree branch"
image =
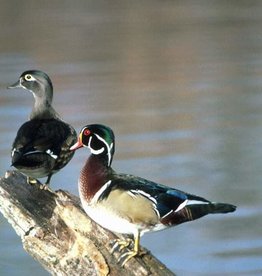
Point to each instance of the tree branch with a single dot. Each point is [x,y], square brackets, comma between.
[55,230]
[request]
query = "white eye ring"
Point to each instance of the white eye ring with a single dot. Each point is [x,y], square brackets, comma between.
[29,77]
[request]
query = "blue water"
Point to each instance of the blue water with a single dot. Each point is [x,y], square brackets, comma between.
[180,83]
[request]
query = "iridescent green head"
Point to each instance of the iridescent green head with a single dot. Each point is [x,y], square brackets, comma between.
[99,139]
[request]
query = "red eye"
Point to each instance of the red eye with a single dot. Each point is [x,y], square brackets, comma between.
[86,132]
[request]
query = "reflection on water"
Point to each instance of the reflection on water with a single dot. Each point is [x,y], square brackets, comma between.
[179,82]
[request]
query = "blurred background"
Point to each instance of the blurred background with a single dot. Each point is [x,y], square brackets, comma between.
[180,82]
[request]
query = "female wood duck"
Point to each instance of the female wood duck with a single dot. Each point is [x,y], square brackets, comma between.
[129,204]
[42,145]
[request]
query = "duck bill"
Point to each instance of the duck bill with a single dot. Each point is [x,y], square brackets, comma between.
[15,85]
[77,145]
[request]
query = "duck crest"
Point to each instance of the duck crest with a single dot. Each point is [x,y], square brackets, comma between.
[93,176]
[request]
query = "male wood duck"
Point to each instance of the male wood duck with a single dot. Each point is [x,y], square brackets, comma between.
[42,145]
[129,204]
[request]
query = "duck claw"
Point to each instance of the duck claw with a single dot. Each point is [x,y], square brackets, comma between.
[45,187]
[120,244]
[125,257]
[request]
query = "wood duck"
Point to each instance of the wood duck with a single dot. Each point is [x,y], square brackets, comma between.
[129,204]
[42,144]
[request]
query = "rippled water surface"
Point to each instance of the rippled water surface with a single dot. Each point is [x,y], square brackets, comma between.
[179,82]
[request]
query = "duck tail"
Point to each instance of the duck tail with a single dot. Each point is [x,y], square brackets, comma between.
[221,208]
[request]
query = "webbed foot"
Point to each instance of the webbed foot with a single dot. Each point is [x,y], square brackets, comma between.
[120,244]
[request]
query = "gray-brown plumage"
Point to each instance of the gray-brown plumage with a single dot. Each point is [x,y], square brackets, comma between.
[41,147]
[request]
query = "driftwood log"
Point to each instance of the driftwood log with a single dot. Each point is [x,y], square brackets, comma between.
[55,230]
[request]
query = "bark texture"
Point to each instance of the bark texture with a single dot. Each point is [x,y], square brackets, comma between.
[55,230]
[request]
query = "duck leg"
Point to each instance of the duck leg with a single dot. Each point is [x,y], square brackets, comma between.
[131,253]
[46,185]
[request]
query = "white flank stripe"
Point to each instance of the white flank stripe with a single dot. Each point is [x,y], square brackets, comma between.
[100,192]
[192,202]
[131,194]
[168,214]
[182,205]
[189,202]
[33,152]
[144,194]
[153,200]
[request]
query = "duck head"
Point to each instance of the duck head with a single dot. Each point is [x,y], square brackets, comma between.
[100,141]
[40,85]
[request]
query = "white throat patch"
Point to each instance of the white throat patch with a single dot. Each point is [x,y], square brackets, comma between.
[99,151]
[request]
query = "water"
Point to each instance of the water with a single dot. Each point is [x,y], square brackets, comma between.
[179,82]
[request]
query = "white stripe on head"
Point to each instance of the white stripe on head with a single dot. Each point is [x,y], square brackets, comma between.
[96,152]
[109,147]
